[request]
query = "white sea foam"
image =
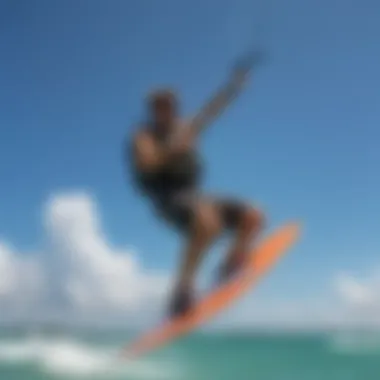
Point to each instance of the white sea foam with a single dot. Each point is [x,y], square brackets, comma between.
[70,357]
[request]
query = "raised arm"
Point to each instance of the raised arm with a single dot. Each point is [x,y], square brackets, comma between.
[223,97]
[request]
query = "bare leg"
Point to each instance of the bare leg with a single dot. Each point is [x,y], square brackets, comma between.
[246,232]
[192,256]
[204,230]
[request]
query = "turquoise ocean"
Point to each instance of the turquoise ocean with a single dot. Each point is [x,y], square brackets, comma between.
[209,356]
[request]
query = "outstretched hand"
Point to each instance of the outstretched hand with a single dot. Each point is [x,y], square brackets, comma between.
[243,68]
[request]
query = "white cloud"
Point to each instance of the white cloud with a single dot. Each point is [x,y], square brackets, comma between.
[352,302]
[356,292]
[21,279]
[80,272]
[78,266]
[95,275]
[360,297]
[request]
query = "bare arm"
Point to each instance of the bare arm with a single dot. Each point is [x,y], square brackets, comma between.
[214,107]
[219,102]
[146,153]
[149,156]
[223,98]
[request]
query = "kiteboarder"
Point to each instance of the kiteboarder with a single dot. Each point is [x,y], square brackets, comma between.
[168,171]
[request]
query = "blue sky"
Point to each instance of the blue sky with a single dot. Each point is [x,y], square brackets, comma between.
[302,141]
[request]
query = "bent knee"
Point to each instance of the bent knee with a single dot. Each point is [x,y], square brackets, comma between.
[206,221]
[253,218]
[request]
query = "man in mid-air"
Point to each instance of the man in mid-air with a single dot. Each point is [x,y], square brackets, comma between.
[167,170]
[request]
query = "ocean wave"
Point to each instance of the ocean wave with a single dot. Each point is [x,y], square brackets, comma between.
[71,357]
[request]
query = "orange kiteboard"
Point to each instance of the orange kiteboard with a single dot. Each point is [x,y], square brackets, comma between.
[261,260]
